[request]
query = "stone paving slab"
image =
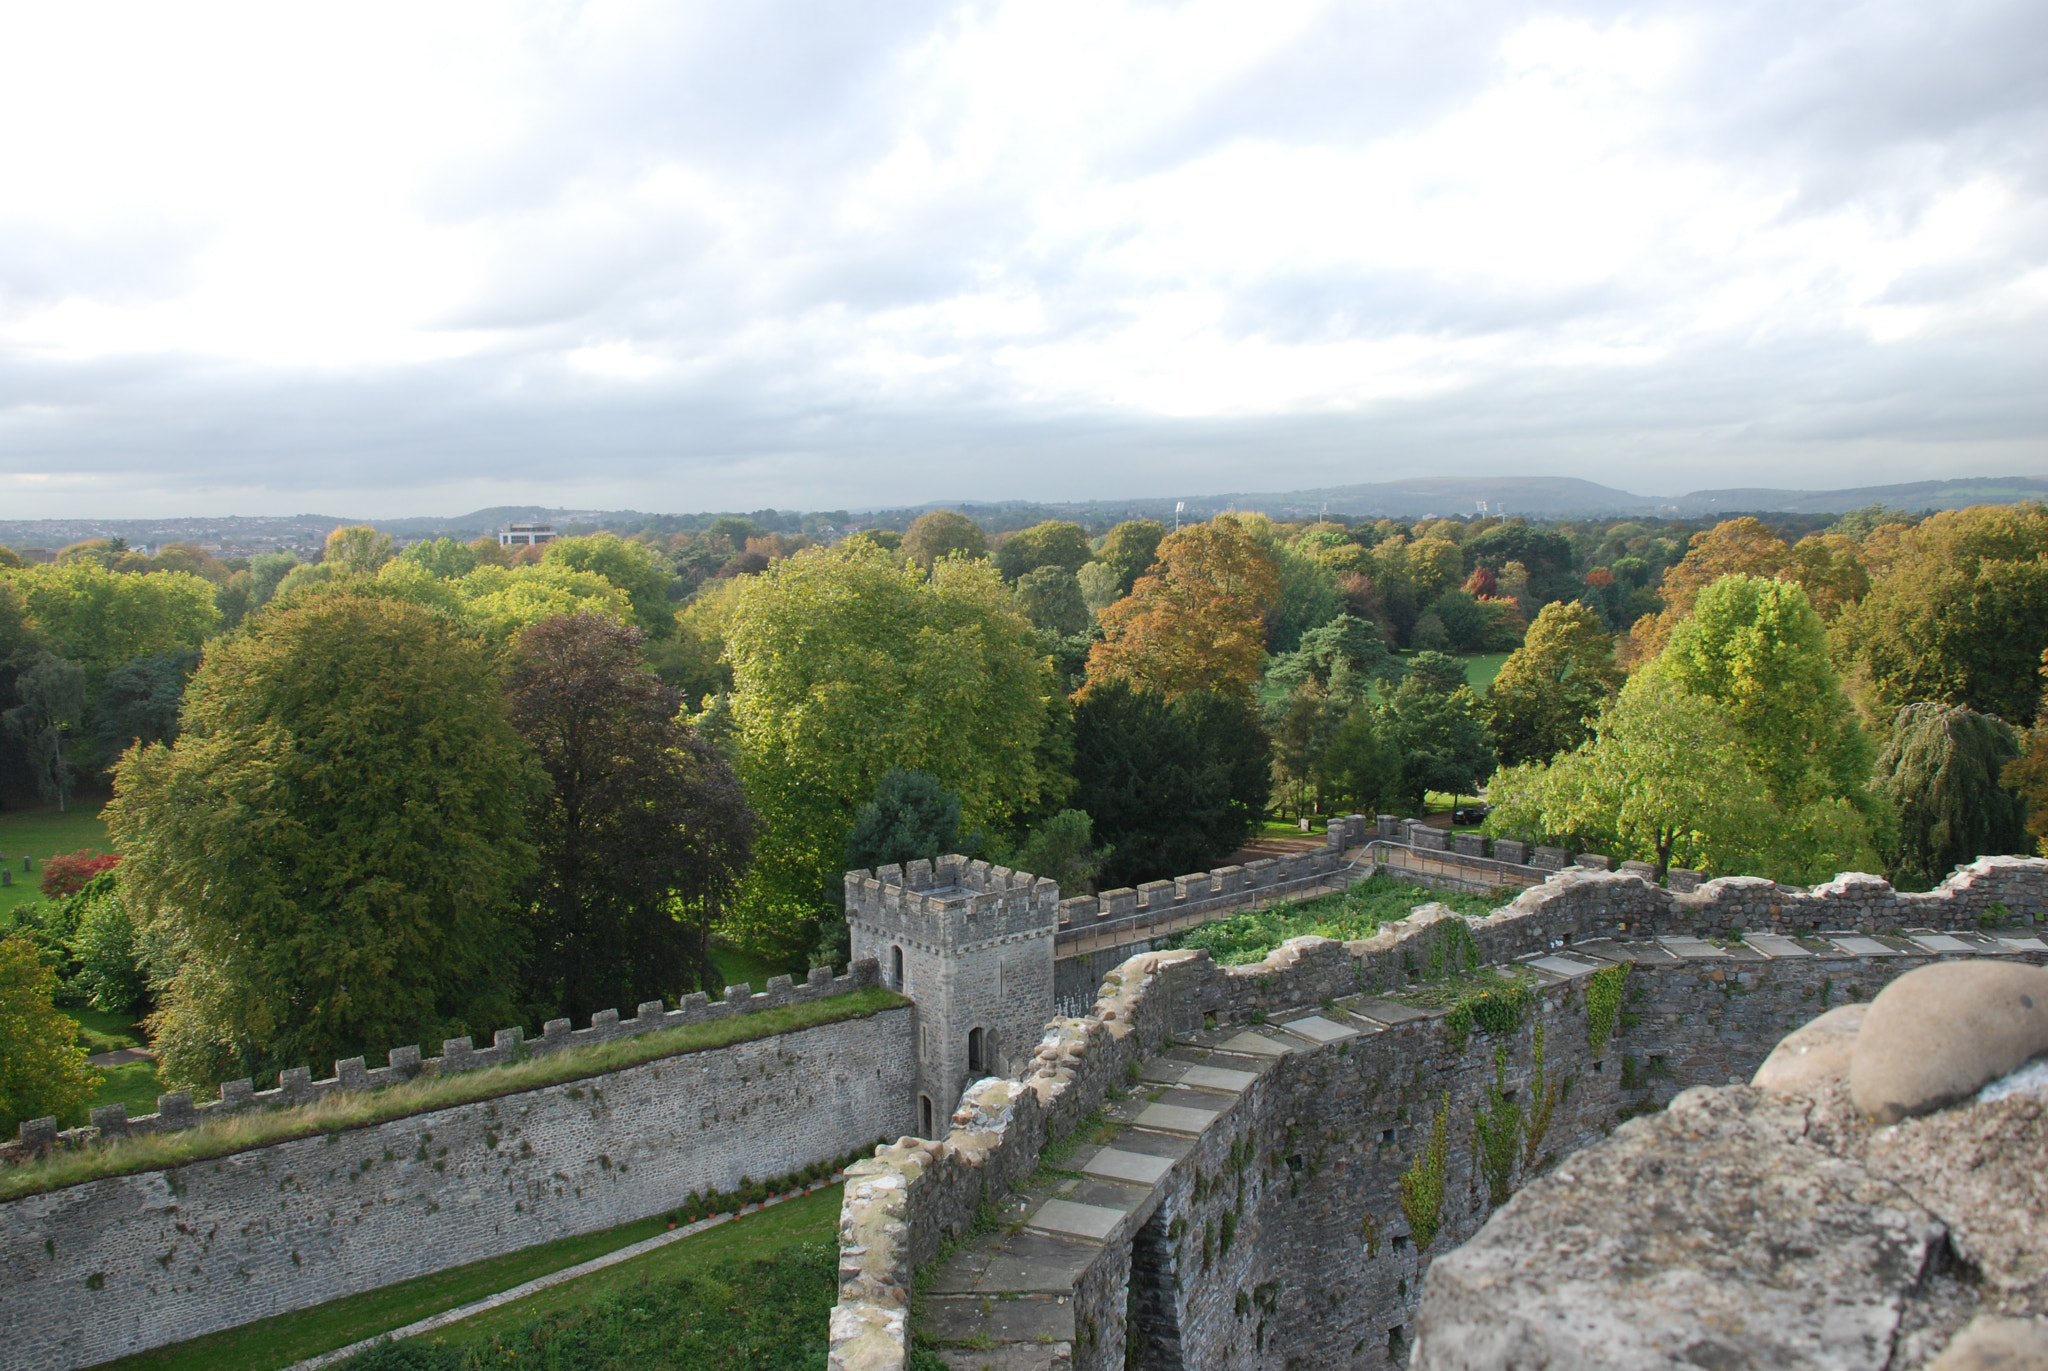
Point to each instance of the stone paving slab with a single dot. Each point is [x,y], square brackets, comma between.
[960,1318]
[1255,1045]
[2021,944]
[1218,1078]
[1567,967]
[1942,942]
[1137,1167]
[1318,1029]
[1642,952]
[1388,1012]
[1163,1070]
[1176,1118]
[1774,946]
[1076,1220]
[1171,1146]
[1691,948]
[1864,947]
[1014,1356]
[1038,1264]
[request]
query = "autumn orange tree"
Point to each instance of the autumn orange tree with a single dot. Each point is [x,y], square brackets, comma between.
[1196,622]
[1732,547]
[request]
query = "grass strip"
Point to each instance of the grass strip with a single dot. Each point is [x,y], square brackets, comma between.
[273,1343]
[358,1109]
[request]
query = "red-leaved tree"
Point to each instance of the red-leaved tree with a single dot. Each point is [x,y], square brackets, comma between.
[67,872]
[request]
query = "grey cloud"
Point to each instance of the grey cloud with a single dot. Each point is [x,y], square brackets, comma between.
[788,107]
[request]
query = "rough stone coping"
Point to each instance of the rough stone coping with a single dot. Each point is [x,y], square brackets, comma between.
[176,1110]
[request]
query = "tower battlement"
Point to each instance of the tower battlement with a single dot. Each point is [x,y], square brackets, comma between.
[953,902]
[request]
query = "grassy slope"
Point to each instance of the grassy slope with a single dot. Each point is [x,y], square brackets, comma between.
[277,1342]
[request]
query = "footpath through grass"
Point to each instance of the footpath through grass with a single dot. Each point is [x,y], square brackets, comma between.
[1354,913]
[761,1286]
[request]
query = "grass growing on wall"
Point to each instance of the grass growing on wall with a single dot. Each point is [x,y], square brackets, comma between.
[1354,913]
[343,1110]
[278,1342]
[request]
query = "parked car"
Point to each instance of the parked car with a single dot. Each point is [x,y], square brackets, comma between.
[1470,814]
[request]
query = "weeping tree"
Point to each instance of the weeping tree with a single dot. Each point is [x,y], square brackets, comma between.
[1941,768]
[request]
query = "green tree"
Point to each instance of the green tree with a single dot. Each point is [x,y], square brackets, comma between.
[943,533]
[632,567]
[846,665]
[1360,770]
[110,974]
[1958,614]
[357,550]
[99,619]
[52,694]
[1757,648]
[43,1072]
[1437,672]
[335,841]
[1663,780]
[140,700]
[1050,597]
[643,834]
[1307,597]
[912,816]
[1443,742]
[1129,551]
[1052,543]
[1062,848]
[1171,786]
[442,557]
[1550,690]
[1342,658]
[1940,768]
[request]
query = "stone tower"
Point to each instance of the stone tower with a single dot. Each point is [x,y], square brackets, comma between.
[972,945]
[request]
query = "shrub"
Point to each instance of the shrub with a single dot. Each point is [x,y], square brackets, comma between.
[66,873]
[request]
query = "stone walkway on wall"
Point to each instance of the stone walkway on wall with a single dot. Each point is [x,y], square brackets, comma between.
[1006,1300]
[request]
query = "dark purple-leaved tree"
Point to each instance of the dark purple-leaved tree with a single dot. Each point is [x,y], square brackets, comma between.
[643,832]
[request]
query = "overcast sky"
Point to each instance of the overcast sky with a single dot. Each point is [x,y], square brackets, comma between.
[418,258]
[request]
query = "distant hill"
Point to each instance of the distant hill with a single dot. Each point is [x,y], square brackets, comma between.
[1919,495]
[1537,497]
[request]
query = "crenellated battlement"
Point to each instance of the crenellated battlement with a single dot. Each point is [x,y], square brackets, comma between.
[296,1086]
[954,902]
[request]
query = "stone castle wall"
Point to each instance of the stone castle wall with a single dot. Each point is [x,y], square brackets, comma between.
[1323,1270]
[297,1087]
[109,1267]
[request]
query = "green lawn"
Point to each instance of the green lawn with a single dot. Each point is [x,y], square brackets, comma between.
[42,832]
[1481,669]
[280,1341]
